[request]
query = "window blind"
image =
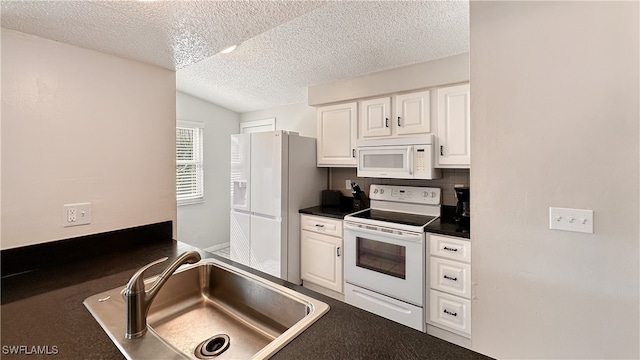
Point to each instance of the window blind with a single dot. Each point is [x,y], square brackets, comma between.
[189,163]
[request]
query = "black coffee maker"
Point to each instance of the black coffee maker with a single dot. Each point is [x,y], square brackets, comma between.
[462,207]
[360,200]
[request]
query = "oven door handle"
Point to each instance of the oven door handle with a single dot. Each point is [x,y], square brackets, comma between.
[406,235]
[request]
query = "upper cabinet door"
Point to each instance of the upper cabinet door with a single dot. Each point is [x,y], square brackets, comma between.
[337,135]
[454,127]
[375,117]
[412,113]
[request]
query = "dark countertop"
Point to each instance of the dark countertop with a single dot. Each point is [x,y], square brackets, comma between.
[335,212]
[444,225]
[44,308]
[447,225]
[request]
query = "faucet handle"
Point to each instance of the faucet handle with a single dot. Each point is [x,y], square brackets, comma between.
[136,283]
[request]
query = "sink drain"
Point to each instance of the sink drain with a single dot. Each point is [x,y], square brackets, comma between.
[213,346]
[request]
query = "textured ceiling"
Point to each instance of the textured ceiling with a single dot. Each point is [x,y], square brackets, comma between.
[285,46]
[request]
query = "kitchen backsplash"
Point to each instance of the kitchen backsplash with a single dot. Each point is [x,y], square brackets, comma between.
[450,177]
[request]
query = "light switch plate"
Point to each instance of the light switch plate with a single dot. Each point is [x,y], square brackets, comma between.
[577,220]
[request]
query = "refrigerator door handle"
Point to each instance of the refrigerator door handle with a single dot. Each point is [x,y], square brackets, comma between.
[265,216]
[241,211]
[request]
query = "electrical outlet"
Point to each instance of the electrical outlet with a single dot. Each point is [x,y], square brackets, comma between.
[72,215]
[347,184]
[76,214]
[577,220]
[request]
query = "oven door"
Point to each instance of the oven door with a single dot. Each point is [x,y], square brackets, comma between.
[386,261]
[395,162]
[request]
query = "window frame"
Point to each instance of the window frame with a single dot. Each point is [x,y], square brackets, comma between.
[197,128]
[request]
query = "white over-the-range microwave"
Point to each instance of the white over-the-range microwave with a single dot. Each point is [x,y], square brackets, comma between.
[397,158]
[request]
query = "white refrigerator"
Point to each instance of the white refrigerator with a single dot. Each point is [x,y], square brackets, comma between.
[273,175]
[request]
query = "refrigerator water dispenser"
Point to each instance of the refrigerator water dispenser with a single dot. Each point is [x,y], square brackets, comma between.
[240,193]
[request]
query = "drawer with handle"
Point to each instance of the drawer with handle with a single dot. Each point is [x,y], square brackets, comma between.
[450,248]
[450,276]
[321,225]
[450,311]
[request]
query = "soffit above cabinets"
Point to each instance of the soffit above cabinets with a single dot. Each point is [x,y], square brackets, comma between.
[284,46]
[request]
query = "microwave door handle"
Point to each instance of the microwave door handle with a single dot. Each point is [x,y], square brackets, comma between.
[410,157]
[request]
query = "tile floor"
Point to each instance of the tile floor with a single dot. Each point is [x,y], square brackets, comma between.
[224,252]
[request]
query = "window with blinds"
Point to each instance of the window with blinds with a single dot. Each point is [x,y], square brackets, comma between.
[189,163]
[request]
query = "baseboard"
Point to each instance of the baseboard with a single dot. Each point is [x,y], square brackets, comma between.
[322,290]
[459,340]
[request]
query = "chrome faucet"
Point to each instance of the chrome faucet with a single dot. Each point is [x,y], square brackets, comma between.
[138,300]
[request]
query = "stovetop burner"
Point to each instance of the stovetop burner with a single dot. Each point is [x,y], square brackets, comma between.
[395,217]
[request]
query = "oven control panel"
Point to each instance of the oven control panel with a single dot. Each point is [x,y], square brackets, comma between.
[408,194]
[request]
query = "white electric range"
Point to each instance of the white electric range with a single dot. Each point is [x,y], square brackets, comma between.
[384,252]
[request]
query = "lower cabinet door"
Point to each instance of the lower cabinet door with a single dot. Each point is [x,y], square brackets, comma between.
[451,311]
[321,260]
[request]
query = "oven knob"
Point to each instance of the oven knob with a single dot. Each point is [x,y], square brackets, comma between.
[381,191]
[375,191]
[433,194]
[425,194]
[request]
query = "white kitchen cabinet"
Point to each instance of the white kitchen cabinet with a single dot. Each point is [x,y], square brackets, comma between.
[449,276]
[375,117]
[451,311]
[454,127]
[337,127]
[321,252]
[322,225]
[412,114]
[450,248]
[449,285]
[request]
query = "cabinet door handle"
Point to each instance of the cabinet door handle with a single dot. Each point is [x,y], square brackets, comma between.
[353,152]
[399,121]
[450,278]
[450,249]
[320,225]
[386,122]
[338,251]
[441,150]
[450,312]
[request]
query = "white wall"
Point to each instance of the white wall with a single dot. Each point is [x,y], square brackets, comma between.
[555,109]
[82,126]
[0,141]
[449,70]
[207,224]
[294,117]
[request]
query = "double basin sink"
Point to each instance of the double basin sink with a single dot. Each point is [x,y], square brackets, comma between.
[210,310]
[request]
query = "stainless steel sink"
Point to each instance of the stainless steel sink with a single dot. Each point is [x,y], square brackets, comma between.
[208,308]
